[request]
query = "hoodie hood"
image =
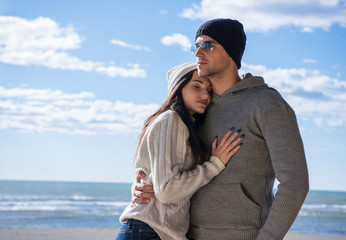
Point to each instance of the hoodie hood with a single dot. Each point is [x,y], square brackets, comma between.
[247,82]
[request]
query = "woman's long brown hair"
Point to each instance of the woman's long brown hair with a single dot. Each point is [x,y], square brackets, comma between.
[175,102]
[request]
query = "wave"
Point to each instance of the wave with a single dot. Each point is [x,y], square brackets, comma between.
[61,205]
[82,197]
[74,197]
[336,207]
[323,210]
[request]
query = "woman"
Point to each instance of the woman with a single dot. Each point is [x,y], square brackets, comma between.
[173,158]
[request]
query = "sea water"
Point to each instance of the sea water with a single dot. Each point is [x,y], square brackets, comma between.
[76,204]
[323,212]
[61,204]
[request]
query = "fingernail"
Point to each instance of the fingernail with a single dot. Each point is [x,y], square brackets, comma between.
[240,144]
[232,129]
[242,136]
[238,131]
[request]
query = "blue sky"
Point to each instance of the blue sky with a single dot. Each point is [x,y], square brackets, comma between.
[78,78]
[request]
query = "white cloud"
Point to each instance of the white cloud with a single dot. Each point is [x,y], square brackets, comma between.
[43,42]
[323,112]
[177,39]
[269,15]
[46,110]
[312,61]
[127,45]
[312,95]
[41,94]
[133,71]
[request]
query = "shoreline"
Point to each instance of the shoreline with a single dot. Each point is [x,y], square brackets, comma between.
[109,233]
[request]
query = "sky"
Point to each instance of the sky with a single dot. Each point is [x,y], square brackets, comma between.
[78,79]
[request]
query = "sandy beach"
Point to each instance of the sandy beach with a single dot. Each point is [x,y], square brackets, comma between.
[105,234]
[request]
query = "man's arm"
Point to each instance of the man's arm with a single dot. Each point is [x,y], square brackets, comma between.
[140,192]
[280,130]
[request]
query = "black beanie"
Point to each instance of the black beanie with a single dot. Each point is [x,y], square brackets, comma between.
[229,33]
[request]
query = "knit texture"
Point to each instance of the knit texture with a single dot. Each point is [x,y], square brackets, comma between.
[238,204]
[165,156]
[174,76]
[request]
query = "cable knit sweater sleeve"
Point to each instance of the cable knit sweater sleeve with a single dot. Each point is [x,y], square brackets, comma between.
[168,148]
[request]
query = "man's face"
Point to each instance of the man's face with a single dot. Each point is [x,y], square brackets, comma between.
[213,61]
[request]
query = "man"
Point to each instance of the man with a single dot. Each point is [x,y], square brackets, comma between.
[239,203]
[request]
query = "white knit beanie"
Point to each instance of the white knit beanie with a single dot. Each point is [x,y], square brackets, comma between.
[175,74]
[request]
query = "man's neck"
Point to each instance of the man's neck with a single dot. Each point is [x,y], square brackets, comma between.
[223,83]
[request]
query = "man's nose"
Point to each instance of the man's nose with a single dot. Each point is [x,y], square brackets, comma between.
[199,52]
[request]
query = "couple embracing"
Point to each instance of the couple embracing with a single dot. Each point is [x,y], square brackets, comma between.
[207,160]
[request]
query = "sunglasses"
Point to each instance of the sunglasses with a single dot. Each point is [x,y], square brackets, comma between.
[206,46]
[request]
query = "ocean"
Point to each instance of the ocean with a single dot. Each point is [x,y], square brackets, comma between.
[38,204]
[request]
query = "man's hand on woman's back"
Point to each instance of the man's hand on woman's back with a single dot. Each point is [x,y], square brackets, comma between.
[141,192]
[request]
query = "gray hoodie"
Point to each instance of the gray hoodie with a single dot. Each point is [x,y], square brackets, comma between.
[239,203]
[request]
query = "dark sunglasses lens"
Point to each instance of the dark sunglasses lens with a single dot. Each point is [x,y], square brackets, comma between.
[194,47]
[206,46]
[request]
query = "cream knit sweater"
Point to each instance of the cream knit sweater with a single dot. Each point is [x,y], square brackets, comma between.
[165,156]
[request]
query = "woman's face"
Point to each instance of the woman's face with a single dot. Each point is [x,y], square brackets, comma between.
[197,94]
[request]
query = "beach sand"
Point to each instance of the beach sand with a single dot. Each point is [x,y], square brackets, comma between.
[106,234]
